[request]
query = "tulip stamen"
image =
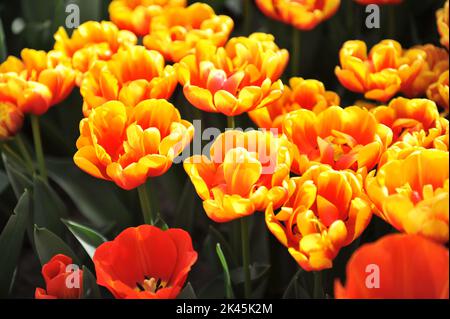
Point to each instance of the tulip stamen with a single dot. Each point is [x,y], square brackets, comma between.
[151,285]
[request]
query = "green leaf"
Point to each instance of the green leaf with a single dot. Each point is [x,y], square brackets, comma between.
[187,293]
[88,238]
[17,176]
[228,288]
[160,223]
[296,288]
[96,199]
[48,208]
[228,252]
[3,49]
[184,213]
[90,287]
[3,181]
[49,245]
[257,272]
[11,240]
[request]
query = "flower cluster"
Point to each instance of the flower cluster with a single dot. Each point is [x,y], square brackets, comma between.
[317,171]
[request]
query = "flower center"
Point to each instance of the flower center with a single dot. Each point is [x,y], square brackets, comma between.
[151,285]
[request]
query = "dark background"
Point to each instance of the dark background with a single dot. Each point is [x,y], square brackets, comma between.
[110,209]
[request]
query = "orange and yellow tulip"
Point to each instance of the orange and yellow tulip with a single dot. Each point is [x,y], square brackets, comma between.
[438,91]
[375,75]
[11,120]
[300,94]
[37,82]
[240,77]
[129,144]
[405,116]
[90,42]
[411,193]
[442,24]
[132,75]
[389,69]
[303,15]
[415,123]
[327,211]
[176,32]
[416,76]
[145,262]
[349,138]
[397,266]
[245,172]
[136,15]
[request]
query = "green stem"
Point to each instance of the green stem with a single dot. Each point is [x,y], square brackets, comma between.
[38,146]
[144,199]
[246,257]
[247,16]
[318,285]
[231,124]
[295,51]
[8,151]
[244,238]
[24,152]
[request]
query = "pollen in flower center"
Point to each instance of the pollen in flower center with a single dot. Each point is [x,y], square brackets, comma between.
[151,285]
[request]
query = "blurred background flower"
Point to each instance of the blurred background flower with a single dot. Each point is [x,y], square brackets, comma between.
[423,277]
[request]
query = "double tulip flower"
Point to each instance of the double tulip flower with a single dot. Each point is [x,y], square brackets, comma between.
[439,91]
[389,69]
[411,193]
[37,81]
[327,211]
[414,122]
[349,138]
[304,15]
[90,42]
[300,94]
[240,77]
[129,144]
[132,75]
[244,173]
[136,15]
[176,32]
